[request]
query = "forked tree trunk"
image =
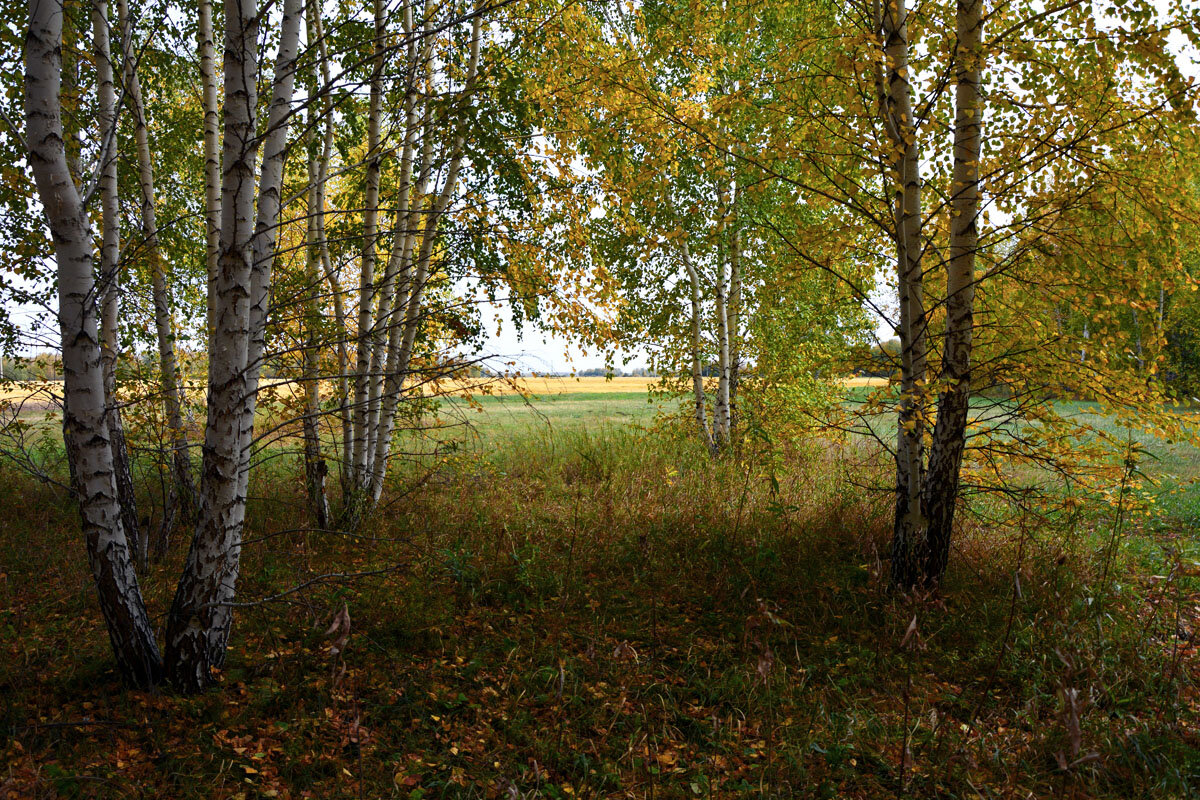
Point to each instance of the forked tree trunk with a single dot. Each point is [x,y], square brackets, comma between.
[85,412]
[396,363]
[398,372]
[949,433]
[388,319]
[201,615]
[164,325]
[904,169]
[199,620]
[110,272]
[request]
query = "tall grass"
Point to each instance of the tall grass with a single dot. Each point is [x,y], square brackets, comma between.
[588,610]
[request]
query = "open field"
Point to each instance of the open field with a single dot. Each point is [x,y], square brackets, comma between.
[16,390]
[1171,469]
[539,386]
[500,409]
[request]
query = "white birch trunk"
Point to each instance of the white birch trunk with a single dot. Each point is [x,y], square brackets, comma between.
[110,271]
[206,51]
[733,310]
[366,282]
[397,361]
[335,289]
[904,168]
[699,398]
[385,321]
[315,469]
[398,371]
[85,414]
[199,620]
[949,433]
[314,465]
[721,409]
[266,226]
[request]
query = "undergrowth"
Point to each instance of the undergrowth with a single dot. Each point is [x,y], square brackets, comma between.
[614,614]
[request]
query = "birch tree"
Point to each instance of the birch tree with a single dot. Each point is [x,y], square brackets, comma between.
[201,614]
[172,388]
[110,269]
[363,379]
[390,305]
[85,414]
[900,126]
[942,262]
[676,110]
[206,52]
[941,488]
[413,274]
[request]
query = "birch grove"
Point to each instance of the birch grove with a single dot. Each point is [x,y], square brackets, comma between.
[753,200]
[390,310]
[164,323]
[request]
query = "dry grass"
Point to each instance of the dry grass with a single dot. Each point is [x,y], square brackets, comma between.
[857,382]
[537,386]
[574,385]
[16,391]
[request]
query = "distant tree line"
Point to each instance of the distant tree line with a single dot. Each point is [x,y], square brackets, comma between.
[617,372]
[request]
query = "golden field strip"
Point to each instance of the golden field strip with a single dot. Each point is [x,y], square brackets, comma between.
[16,391]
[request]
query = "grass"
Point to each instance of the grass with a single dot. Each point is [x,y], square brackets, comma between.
[1170,471]
[500,417]
[580,605]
